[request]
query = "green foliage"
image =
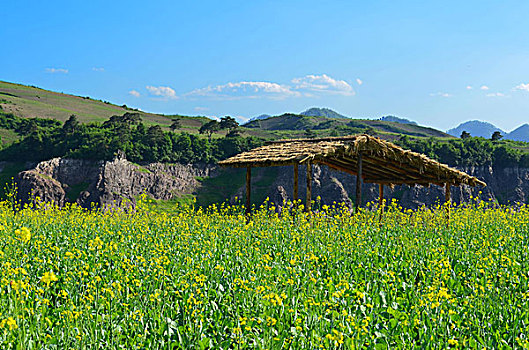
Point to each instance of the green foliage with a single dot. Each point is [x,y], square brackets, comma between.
[228,122]
[25,125]
[8,172]
[45,139]
[209,128]
[468,151]
[496,136]
[176,124]
[465,135]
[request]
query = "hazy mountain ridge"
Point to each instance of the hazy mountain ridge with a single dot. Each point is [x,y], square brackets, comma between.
[475,128]
[485,129]
[521,133]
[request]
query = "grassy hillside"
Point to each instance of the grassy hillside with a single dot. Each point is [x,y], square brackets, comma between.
[29,101]
[323,126]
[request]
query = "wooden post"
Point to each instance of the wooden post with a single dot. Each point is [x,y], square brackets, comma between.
[381,201]
[248,189]
[296,166]
[448,202]
[359,183]
[309,187]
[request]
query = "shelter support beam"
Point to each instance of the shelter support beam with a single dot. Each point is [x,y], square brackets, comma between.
[448,202]
[296,172]
[381,201]
[248,189]
[308,208]
[359,182]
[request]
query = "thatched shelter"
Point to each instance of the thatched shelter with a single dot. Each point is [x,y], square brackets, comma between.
[370,159]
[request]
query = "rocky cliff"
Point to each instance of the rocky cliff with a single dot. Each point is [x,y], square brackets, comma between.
[506,186]
[107,183]
[119,181]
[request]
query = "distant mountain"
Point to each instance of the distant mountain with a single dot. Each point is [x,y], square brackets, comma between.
[475,128]
[392,118]
[521,133]
[259,117]
[322,112]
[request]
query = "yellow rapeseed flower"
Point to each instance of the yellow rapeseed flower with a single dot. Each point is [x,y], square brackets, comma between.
[23,234]
[49,277]
[11,323]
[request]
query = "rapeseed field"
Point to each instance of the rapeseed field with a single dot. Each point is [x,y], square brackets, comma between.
[194,278]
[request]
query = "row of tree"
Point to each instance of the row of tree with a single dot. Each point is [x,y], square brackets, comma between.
[126,133]
[496,135]
[44,139]
[468,151]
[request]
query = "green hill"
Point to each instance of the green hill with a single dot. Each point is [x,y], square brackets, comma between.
[295,125]
[29,102]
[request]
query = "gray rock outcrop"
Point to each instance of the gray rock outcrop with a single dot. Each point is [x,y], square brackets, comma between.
[118,182]
[107,183]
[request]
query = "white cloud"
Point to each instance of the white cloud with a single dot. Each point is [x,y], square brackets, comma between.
[134,93]
[323,84]
[57,70]
[484,87]
[201,109]
[359,81]
[98,69]
[441,94]
[496,94]
[469,87]
[524,87]
[162,91]
[245,89]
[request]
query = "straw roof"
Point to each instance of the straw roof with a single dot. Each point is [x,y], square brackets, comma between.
[382,161]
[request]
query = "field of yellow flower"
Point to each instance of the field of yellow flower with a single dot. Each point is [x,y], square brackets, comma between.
[196,278]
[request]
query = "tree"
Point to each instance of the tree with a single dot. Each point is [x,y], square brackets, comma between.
[175,125]
[465,135]
[131,118]
[209,128]
[71,124]
[228,122]
[496,136]
[127,118]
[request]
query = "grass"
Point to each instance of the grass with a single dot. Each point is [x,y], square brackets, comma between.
[203,279]
[172,205]
[141,169]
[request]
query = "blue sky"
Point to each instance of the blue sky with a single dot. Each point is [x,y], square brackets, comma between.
[438,63]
